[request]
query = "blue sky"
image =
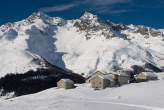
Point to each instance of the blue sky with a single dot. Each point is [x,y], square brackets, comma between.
[145,12]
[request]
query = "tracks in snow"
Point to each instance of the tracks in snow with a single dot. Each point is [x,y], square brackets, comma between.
[92,100]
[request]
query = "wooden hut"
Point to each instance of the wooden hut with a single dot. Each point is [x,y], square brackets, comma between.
[65,83]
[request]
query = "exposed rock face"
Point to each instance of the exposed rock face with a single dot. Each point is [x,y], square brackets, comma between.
[92,25]
[118,27]
[146,31]
[6,26]
[142,30]
[155,33]
[45,18]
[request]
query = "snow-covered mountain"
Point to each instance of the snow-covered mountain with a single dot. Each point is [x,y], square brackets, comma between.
[83,45]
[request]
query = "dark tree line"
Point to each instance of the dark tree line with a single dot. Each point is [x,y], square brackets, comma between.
[35,81]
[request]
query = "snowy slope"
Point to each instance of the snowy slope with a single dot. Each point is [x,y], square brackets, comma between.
[83,45]
[25,41]
[136,96]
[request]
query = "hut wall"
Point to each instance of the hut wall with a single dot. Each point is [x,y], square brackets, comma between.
[66,85]
[97,82]
[123,80]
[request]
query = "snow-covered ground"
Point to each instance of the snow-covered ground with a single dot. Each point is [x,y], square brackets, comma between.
[136,96]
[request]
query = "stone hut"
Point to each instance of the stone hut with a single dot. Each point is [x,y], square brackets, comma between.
[88,79]
[120,78]
[65,83]
[101,81]
[145,76]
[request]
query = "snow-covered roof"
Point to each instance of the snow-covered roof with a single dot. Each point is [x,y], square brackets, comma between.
[98,72]
[150,74]
[104,77]
[119,73]
[67,80]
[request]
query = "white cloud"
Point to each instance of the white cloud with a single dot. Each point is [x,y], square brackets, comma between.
[108,6]
[111,11]
[118,11]
[63,6]
[58,8]
[107,2]
[96,5]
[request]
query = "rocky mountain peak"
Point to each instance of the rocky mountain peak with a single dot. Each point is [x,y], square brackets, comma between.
[30,20]
[39,15]
[6,26]
[148,31]
[89,17]
[92,26]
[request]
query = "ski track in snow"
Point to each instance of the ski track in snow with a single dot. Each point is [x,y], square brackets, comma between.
[105,101]
[121,104]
